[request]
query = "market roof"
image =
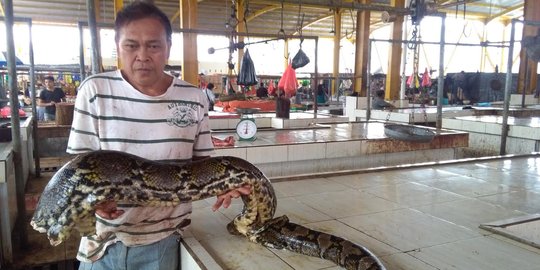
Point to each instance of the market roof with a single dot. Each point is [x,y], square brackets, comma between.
[267,16]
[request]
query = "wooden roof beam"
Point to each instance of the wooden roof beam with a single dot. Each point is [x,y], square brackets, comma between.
[346,5]
[262,11]
[504,12]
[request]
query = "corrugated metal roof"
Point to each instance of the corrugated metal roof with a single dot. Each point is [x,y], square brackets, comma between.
[265,16]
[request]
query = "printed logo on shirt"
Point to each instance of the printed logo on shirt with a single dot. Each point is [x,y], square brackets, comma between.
[183,114]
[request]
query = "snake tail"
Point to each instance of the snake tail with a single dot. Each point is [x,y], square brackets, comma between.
[280,233]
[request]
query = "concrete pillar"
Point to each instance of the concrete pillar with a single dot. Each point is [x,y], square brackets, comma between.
[190,65]
[337,47]
[527,77]
[393,79]
[361,49]
[118,5]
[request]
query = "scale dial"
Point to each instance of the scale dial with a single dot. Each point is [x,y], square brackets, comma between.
[246,129]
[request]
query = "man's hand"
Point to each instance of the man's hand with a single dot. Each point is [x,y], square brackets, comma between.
[226,198]
[108,210]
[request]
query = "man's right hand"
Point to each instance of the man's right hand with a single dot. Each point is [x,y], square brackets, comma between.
[108,210]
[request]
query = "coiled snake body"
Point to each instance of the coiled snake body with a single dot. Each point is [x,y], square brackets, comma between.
[69,199]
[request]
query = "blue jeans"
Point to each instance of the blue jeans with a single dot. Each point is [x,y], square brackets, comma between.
[49,117]
[162,255]
[40,113]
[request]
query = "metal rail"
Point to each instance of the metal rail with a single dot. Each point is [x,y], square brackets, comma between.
[7,249]
[276,36]
[508,83]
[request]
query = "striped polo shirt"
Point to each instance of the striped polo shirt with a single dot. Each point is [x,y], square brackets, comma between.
[112,115]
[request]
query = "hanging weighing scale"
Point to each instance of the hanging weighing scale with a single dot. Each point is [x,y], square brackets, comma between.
[246,129]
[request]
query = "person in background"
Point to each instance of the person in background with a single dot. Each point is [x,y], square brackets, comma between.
[40,109]
[48,97]
[302,93]
[262,92]
[142,110]
[321,94]
[209,92]
[379,103]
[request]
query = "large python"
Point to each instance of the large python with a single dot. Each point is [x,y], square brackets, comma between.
[68,201]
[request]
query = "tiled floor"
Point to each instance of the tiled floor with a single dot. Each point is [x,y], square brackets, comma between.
[412,218]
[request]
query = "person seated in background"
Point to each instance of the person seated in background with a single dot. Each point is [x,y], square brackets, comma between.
[321,94]
[379,103]
[262,92]
[49,97]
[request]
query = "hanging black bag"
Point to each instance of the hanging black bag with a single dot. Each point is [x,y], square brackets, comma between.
[300,59]
[247,76]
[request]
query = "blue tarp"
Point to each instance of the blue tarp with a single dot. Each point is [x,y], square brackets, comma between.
[3,60]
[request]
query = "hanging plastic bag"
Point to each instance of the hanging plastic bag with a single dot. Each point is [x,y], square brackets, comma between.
[413,81]
[426,80]
[288,82]
[247,75]
[300,59]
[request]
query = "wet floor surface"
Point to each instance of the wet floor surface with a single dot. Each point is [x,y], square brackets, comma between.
[411,218]
[415,218]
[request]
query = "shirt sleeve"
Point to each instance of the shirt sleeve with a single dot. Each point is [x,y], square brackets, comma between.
[203,145]
[84,135]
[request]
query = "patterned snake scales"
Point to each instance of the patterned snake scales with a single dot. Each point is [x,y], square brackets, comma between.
[69,198]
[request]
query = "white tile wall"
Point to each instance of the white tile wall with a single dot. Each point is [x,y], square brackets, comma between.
[516,99]
[306,151]
[343,149]
[520,146]
[300,167]
[398,158]
[267,154]
[430,155]
[278,123]
[451,123]
[493,128]
[273,169]
[327,165]
[240,152]
[474,126]
[525,132]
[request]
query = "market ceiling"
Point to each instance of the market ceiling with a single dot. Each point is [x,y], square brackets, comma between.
[268,17]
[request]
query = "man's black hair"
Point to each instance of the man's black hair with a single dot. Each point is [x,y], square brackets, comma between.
[379,93]
[50,78]
[140,10]
[210,86]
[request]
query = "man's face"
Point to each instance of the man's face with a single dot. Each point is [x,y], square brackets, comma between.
[49,84]
[143,50]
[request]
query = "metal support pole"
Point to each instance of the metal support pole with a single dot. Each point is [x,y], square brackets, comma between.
[440,81]
[403,86]
[15,126]
[92,25]
[316,85]
[32,74]
[368,82]
[81,51]
[526,84]
[507,91]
